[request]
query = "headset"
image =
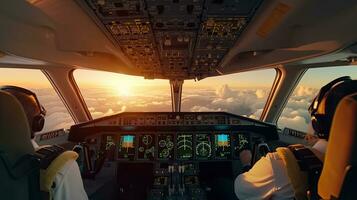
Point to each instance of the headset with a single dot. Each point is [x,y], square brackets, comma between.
[323,107]
[38,121]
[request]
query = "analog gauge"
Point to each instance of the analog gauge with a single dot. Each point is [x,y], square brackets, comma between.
[146,149]
[146,139]
[203,150]
[169,144]
[162,143]
[184,146]
[165,147]
[203,147]
[141,149]
[165,153]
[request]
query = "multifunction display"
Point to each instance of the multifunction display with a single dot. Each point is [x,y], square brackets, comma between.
[126,146]
[182,146]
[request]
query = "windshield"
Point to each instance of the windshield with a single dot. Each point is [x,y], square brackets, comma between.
[108,93]
[242,93]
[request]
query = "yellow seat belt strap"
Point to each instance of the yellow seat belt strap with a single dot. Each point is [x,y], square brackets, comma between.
[298,178]
[47,176]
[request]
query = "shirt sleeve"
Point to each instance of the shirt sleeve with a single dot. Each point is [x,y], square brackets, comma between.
[257,183]
[69,184]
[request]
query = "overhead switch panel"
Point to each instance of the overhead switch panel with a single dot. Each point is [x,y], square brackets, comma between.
[174,39]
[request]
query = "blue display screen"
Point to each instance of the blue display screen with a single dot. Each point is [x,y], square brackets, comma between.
[223,140]
[128,141]
[128,138]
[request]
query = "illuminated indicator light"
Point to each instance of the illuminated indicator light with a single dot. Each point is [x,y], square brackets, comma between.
[222,140]
[221,127]
[128,141]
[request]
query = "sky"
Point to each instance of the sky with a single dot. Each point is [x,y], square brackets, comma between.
[87,78]
[244,94]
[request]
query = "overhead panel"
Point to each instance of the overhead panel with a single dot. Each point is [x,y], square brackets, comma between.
[174,39]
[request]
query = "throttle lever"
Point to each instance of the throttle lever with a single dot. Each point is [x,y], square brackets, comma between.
[181,170]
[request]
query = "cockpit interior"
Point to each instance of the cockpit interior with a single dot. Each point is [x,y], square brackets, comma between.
[159,97]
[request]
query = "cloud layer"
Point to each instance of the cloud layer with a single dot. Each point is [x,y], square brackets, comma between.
[295,115]
[245,102]
[57,116]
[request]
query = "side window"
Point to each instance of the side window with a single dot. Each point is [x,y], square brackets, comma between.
[295,115]
[57,114]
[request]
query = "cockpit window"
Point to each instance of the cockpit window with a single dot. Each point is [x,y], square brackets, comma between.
[57,115]
[107,93]
[242,93]
[295,114]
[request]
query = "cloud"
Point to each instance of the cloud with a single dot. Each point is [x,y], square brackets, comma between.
[257,114]
[305,91]
[237,101]
[204,109]
[296,122]
[245,102]
[224,91]
[295,115]
[260,93]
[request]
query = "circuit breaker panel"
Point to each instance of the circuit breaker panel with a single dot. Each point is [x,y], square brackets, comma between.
[174,39]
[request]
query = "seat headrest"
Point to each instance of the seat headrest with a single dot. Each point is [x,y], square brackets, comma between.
[341,149]
[14,128]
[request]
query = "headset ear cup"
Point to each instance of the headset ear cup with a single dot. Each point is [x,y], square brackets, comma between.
[324,127]
[315,124]
[38,123]
[320,126]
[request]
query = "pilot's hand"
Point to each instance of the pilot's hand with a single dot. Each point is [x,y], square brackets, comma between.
[311,139]
[245,157]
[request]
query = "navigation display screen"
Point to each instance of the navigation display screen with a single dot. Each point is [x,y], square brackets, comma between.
[203,146]
[126,147]
[222,145]
[166,146]
[241,141]
[146,148]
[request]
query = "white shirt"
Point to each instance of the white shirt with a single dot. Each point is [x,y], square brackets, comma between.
[268,178]
[68,181]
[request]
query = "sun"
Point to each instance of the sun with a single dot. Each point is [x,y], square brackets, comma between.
[123,90]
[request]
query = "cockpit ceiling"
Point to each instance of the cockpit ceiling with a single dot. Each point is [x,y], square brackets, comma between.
[173,38]
[176,39]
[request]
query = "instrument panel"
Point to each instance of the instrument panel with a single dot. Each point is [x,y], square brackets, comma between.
[199,146]
[167,136]
[174,155]
[174,136]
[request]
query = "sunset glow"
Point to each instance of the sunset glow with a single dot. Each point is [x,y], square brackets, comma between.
[123,90]
[107,93]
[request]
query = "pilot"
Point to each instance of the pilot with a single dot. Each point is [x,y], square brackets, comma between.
[271,177]
[68,182]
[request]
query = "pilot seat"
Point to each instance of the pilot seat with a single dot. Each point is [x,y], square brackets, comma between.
[338,179]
